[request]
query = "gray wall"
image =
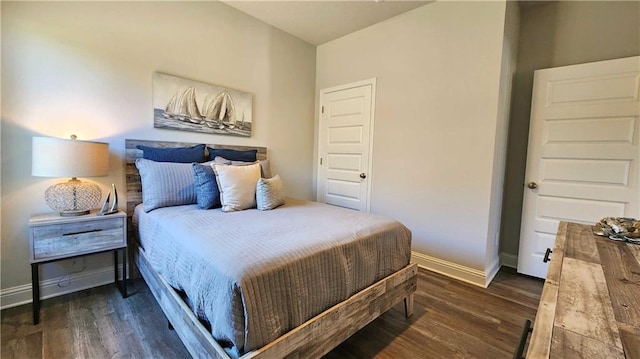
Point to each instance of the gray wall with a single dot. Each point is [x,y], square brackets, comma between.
[552,35]
[509,63]
[86,68]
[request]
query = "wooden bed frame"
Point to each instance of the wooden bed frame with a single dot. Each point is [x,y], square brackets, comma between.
[312,339]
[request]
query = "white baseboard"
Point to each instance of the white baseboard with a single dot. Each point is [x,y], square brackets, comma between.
[456,271]
[15,296]
[509,260]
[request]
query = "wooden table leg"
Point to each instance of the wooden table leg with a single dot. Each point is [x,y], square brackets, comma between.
[408,305]
[35,291]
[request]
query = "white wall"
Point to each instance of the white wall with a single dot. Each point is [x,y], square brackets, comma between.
[438,71]
[86,68]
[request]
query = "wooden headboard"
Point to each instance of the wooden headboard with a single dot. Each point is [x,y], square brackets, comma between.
[132,177]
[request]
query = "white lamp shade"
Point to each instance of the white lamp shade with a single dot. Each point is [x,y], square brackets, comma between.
[57,157]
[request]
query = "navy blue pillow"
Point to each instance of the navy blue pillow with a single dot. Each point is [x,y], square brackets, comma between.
[207,191]
[173,154]
[232,155]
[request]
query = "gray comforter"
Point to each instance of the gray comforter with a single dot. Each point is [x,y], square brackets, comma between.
[254,275]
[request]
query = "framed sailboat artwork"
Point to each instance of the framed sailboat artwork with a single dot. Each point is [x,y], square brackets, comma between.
[186,105]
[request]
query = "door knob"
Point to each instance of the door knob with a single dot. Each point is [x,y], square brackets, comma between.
[532,185]
[363,176]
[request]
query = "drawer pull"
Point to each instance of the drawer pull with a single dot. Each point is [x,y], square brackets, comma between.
[523,339]
[83,232]
[546,255]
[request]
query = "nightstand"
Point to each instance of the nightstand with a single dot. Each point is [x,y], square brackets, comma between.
[53,238]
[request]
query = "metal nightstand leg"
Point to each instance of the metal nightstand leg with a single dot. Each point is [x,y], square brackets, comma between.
[121,284]
[124,272]
[35,291]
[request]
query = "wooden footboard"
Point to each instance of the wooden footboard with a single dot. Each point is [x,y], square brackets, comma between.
[325,331]
[312,339]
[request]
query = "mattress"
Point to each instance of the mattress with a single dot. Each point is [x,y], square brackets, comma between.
[254,275]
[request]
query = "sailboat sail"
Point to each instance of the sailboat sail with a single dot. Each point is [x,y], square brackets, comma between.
[220,112]
[192,107]
[184,107]
[170,109]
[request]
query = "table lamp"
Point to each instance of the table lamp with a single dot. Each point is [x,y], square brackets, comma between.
[57,157]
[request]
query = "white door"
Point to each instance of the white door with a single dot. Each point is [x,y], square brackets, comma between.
[346,126]
[582,160]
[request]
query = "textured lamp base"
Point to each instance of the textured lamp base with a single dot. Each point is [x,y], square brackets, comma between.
[74,213]
[73,198]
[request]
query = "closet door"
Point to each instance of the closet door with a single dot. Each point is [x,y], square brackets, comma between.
[346,130]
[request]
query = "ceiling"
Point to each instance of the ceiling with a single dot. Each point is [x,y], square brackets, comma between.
[317,22]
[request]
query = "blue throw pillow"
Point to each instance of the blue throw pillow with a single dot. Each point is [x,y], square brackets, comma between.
[207,192]
[232,155]
[173,154]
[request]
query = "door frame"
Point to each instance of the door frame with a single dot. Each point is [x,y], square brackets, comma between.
[321,145]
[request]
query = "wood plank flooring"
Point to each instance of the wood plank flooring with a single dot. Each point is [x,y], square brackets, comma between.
[451,320]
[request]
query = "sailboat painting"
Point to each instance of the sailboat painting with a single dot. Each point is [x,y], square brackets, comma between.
[181,104]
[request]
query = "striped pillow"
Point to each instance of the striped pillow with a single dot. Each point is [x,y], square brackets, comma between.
[166,184]
[269,193]
[265,166]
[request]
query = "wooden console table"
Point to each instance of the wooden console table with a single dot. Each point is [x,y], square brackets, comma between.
[590,304]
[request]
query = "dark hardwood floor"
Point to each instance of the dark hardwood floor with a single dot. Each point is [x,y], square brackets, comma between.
[451,319]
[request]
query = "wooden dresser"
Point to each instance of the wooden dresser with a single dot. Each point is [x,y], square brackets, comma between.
[590,305]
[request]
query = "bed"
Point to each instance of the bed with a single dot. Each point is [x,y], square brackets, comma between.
[266,321]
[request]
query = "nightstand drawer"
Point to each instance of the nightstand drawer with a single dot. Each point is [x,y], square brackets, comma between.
[55,240]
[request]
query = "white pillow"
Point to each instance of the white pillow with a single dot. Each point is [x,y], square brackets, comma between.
[269,193]
[237,185]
